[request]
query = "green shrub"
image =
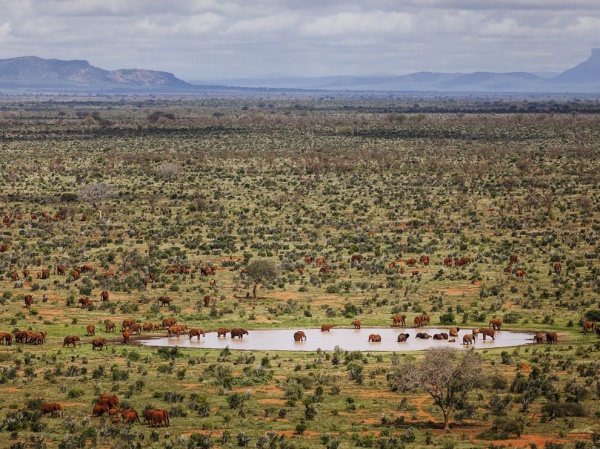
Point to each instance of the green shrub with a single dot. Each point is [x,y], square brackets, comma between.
[553,410]
[447,318]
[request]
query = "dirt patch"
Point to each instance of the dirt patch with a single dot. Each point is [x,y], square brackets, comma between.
[284,296]
[74,404]
[263,319]
[524,441]
[272,401]
[469,288]
[289,433]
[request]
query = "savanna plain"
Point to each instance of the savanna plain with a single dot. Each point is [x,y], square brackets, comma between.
[294,211]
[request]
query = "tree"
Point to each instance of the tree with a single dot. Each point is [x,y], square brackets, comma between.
[169,171]
[96,194]
[444,375]
[535,385]
[261,270]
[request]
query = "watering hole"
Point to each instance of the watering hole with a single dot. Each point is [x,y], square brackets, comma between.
[347,339]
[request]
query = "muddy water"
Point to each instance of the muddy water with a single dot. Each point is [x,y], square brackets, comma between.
[348,339]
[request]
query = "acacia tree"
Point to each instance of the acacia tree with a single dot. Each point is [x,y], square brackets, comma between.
[96,194]
[444,375]
[261,270]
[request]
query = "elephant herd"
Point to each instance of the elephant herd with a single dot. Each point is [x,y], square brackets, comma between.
[468,338]
[109,404]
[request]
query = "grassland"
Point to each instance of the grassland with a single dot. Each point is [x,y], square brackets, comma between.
[223,182]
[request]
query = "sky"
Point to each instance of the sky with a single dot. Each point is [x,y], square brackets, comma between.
[221,39]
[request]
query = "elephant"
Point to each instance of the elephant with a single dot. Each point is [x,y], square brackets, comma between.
[6,338]
[164,300]
[588,326]
[495,323]
[299,336]
[126,337]
[538,337]
[28,299]
[111,400]
[156,417]
[136,328]
[99,410]
[423,335]
[130,416]
[441,336]
[127,323]
[487,332]
[51,407]
[356,324]
[399,320]
[176,330]
[422,320]
[168,322]
[147,327]
[403,337]
[326,327]
[551,338]
[85,303]
[238,332]
[71,340]
[99,343]
[475,333]
[375,338]
[454,331]
[468,339]
[91,330]
[222,332]
[110,326]
[36,338]
[104,295]
[196,333]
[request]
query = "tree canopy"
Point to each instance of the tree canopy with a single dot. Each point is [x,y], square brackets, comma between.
[261,270]
[446,374]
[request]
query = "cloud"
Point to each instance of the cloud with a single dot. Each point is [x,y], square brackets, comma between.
[550,5]
[203,38]
[178,26]
[5,30]
[263,25]
[352,24]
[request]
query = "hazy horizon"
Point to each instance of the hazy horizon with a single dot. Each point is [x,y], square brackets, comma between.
[207,39]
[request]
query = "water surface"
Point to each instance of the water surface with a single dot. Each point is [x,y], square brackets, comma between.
[348,339]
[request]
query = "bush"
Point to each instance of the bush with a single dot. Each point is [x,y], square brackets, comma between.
[68,197]
[447,318]
[504,427]
[243,439]
[511,317]
[76,393]
[592,315]
[553,410]
[235,400]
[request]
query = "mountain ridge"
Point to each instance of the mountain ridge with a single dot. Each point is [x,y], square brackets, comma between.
[32,73]
[583,78]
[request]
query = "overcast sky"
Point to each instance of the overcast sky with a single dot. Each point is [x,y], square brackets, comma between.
[206,39]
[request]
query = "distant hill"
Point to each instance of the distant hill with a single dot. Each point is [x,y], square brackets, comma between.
[586,72]
[584,78]
[31,72]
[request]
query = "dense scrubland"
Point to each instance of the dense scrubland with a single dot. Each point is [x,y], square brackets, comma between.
[272,197]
